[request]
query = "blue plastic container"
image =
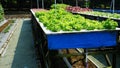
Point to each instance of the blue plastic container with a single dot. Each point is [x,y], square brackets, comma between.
[82,40]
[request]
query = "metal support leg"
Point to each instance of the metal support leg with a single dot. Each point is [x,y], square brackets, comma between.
[108,60]
[86,59]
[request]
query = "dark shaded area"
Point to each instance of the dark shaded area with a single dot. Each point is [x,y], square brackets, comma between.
[28,4]
[104,4]
[25,53]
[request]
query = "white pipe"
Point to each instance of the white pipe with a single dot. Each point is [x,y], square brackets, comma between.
[37,3]
[113,5]
[76,2]
[55,4]
[62,1]
[43,4]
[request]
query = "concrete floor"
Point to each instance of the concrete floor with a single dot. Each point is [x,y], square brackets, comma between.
[20,52]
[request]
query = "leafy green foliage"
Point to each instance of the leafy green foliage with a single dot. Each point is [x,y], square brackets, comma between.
[103,14]
[59,6]
[57,20]
[1,12]
[7,28]
[109,24]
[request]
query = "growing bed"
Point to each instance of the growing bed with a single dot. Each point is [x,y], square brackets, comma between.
[79,39]
[7,27]
[100,18]
[87,39]
[94,15]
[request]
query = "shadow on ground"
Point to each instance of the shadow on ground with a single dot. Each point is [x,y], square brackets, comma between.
[25,53]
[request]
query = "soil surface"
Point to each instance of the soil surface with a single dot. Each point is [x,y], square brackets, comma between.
[4,25]
[78,61]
